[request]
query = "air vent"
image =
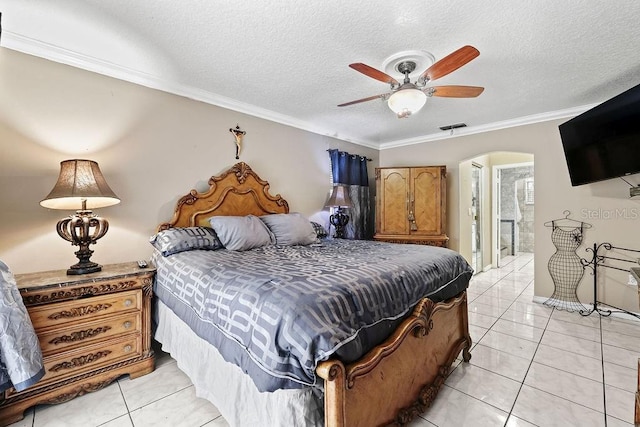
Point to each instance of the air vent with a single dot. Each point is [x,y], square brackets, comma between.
[451,127]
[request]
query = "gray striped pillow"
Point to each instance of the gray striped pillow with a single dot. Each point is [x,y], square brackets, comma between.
[174,240]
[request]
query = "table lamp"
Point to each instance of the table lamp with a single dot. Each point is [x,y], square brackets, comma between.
[81,186]
[339,199]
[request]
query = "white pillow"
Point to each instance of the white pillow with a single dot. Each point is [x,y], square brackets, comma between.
[241,233]
[291,229]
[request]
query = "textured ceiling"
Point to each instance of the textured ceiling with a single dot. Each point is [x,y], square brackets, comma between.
[287,61]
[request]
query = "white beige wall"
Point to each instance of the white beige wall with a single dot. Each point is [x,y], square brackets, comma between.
[152,147]
[606,205]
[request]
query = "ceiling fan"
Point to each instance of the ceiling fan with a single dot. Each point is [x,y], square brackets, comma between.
[407,98]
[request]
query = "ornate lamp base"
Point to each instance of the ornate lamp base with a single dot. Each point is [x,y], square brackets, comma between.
[78,269]
[83,229]
[85,265]
[339,220]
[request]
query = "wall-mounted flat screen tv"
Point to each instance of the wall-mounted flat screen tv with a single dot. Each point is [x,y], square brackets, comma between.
[604,142]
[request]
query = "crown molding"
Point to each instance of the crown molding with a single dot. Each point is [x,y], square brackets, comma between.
[64,56]
[505,124]
[54,53]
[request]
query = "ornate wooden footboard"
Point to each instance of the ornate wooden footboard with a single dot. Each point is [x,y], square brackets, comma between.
[399,379]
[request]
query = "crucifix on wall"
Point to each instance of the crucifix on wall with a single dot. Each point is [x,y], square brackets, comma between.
[238,134]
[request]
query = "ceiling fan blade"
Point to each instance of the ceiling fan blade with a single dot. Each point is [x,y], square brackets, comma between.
[373,73]
[363,100]
[455,91]
[450,63]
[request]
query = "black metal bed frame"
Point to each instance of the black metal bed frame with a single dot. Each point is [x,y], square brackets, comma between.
[600,261]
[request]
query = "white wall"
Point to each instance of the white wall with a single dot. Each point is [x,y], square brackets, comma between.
[152,147]
[606,205]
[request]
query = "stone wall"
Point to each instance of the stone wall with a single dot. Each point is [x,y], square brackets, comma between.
[515,211]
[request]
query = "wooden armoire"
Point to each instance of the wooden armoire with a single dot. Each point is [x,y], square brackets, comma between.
[411,205]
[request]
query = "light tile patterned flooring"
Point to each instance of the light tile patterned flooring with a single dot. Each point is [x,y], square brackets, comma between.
[531,366]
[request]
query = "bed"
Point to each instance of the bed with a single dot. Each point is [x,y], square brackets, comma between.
[382,368]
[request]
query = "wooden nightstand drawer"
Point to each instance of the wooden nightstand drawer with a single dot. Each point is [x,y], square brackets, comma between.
[86,333]
[73,363]
[52,315]
[36,295]
[90,357]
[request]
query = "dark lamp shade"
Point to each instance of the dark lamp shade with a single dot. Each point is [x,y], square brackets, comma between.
[80,180]
[339,197]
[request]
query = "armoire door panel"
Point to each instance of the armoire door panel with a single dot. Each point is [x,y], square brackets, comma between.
[395,201]
[425,190]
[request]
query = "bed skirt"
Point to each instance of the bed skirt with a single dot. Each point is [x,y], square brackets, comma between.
[227,387]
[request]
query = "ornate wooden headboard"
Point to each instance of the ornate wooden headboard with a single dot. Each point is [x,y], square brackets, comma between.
[237,191]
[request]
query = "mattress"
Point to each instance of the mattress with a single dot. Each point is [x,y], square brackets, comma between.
[277,311]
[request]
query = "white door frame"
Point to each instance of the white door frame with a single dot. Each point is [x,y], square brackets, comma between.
[495,214]
[479,227]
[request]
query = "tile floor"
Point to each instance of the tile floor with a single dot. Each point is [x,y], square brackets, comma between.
[531,366]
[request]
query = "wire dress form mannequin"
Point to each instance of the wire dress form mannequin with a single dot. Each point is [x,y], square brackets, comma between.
[565,266]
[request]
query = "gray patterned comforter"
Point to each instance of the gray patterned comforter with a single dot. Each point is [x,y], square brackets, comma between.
[20,356]
[277,311]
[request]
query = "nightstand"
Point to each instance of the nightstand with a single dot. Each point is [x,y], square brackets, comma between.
[92,329]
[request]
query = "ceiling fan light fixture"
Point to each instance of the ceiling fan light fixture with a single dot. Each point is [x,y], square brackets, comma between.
[406,102]
[408,98]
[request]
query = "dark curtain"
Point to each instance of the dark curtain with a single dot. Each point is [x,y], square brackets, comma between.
[351,170]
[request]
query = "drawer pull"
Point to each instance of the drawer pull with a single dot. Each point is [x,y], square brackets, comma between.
[127,324]
[127,348]
[127,303]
